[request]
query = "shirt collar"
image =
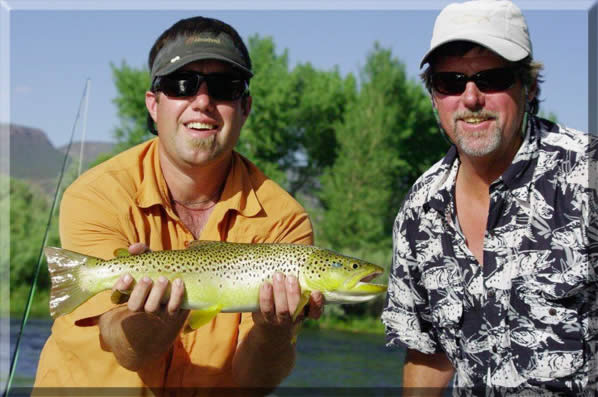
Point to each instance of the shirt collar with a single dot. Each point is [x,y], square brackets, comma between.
[440,191]
[513,177]
[152,189]
[238,193]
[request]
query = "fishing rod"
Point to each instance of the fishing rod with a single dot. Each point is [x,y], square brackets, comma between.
[15,356]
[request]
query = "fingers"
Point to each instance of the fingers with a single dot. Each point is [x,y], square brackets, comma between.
[279,300]
[281,304]
[138,248]
[177,293]
[293,292]
[154,299]
[124,283]
[266,300]
[316,305]
[139,294]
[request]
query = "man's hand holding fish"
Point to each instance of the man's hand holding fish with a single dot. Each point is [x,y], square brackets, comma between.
[144,330]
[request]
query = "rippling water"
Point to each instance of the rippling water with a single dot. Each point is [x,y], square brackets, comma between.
[324,358]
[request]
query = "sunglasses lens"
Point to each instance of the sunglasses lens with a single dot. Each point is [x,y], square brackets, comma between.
[449,83]
[178,86]
[184,84]
[224,87]
[494,80]
[487,81]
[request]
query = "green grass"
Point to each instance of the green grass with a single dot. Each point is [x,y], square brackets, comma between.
[359,324]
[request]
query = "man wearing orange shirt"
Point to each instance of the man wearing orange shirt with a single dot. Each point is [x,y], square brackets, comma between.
[186,184]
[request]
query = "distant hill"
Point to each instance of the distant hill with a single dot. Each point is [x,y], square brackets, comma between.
[35,159]
[32,155]
[91,150]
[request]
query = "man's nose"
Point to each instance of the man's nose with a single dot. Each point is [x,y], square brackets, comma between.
[472,97]
[202,98]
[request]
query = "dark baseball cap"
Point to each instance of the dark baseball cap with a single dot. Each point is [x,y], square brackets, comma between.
[206,45]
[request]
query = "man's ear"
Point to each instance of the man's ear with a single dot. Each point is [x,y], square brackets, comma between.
[433,100]
[531,93]
[246,106]
[151,103]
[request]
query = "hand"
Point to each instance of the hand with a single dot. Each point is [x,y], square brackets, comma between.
[279,300]
[149,296]
[157,297]
[144,330]
[267,354]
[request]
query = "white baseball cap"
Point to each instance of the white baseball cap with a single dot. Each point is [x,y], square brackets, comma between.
[497,25]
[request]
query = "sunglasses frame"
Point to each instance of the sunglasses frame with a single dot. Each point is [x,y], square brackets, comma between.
[480,79]
[197,79]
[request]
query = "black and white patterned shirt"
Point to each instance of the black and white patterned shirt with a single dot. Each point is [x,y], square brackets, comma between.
[527,320]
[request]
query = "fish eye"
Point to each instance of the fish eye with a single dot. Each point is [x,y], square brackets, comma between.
[336,264]
[355,266]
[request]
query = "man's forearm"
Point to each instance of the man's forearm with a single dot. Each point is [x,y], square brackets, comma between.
[265,357]
[426,374]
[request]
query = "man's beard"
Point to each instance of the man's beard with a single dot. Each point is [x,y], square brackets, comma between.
[479,143]
[201,143]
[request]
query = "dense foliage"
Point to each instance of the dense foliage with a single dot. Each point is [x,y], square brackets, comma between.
[29,216]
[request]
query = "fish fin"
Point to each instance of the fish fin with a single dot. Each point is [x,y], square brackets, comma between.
[304,300]
[202,317]
[64,267]
[121,253]
[119,297]
[295,333]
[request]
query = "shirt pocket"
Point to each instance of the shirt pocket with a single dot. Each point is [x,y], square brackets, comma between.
[446,310]
[445,305]
[548,334]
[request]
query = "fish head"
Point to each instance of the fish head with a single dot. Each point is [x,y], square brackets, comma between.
[341,279]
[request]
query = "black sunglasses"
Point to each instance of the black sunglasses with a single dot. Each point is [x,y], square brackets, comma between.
[487,81]
[222,87]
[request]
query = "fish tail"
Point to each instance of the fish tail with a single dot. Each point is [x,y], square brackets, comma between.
[64,267]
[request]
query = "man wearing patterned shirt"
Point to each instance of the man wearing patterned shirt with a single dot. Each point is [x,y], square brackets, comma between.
[495,247]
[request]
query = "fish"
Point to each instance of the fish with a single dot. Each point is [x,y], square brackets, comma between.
[218,276]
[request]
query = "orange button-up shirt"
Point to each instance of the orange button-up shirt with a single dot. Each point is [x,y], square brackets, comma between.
[125,200]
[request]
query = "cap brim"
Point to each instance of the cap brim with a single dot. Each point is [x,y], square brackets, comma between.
[506,49]
[200,57]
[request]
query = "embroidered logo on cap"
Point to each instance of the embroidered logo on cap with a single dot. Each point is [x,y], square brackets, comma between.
[196,39]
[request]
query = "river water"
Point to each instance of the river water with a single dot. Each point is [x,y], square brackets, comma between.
[325,359]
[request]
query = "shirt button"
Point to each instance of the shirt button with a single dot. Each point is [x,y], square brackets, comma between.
[552,311]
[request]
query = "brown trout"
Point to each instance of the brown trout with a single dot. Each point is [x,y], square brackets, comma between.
[218,276]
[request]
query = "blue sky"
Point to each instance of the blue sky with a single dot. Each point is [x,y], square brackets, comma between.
[52,52]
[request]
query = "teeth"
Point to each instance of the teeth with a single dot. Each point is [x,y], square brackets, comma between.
[474,120]
[200,126]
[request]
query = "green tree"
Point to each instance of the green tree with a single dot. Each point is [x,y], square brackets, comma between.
[131,85]
[29,214]
[323,99]
[387,139]
[268,137]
